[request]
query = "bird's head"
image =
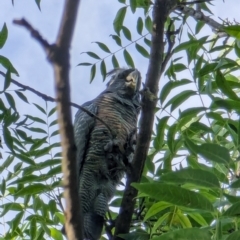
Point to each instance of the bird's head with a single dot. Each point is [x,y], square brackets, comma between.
[124,81]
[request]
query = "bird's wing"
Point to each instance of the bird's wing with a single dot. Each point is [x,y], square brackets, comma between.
[83,125]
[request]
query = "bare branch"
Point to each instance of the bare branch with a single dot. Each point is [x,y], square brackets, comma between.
[171,42]
[161,10]
[34,33]
[51,99]
[58,55]
[198,15]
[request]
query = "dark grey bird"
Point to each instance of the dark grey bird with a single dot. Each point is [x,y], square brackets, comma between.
[104,149]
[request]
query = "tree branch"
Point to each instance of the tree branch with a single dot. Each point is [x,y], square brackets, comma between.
[51,99]
[59,57]
[199,16]
[161,10]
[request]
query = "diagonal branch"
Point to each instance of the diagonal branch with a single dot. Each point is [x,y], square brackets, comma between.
[161,10]
[199,16]
[58,55]
[51,99]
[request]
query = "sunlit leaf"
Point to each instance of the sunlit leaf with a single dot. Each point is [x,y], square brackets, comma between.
[186,234]
[233,30]
[32,189]
[194,176]
[210,152]
[175,195]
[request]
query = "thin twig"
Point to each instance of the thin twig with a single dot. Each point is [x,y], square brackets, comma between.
[171,42]
[51,99]
[198,15]
[34,33]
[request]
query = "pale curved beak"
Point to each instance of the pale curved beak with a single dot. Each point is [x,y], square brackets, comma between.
[132,79]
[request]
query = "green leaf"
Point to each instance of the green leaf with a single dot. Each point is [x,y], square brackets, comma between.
[24,158]
[142,50]
[93,55]
[133,5]
[137,235]
[85,64]
[227,104]
[210,152]
[40,108]
[103,47]
[56,132]
[3,186]
[33,228]
[192,111]
[179,67]
[10,100]
[8,138]
[199,26]
[171,137]
[232,198]
[10,207]
[117,39]
[148,24]
[208,68]
[159,139]
[148,42]
[224,86]
[183,220]
[198,218]
[186,234]
[52,111]
[193,176]
[22,96]
[36,119]
[32,189]
[235,184]
[103,69]
[186,45]
[7,81]
[115,62]
[175,195]
[93,72]
[56,234]
[8,65]
[15,222]
[38,130]
[233,30]
[128,58]
[233,236]
[237,48]
[156,208]
[233,211]
[3,35]
[170,86]
[127,33]
[179,99]
[38,4]
[118,21]
[54,122]
[139,26]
